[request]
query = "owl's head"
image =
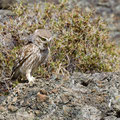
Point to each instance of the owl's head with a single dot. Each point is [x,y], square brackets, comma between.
[42,38]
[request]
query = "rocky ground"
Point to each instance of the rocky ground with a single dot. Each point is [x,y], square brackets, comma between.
[80,97]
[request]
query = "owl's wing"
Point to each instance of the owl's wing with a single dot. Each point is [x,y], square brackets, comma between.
[24,54]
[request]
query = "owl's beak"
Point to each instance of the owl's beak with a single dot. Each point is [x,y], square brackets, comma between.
[49,39]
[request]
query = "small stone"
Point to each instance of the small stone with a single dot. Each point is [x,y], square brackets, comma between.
[21,102]
[43,92]
[110,118]
[41,97]
[14,99]
[8,99]
[66,109]
[12,108]
[24,115]
[65,98]
[2,109]
[37,112]
[91,113]
[1,117]
[25,103]
[54,91]
[118,119]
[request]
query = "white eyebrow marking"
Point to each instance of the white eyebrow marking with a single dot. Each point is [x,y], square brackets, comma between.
[49,39]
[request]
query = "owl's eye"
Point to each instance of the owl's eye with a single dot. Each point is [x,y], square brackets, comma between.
[43,39]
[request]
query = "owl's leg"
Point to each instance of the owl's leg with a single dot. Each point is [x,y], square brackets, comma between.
[29,77]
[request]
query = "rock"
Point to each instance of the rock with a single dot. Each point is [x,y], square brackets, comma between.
[37,112]
[54,91]
[6,3]
[117,9]
[83,96]
[91,113]
[14,100]
[65,99]
[43,92]
[7,41]
[6,13]
[2,98]
[12,108]
[110,118]
[2,109]
[1,117]
[66,110]
[41,97]
[118,119]
[23,115]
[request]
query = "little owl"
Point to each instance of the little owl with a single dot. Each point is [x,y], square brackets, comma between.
[32,55]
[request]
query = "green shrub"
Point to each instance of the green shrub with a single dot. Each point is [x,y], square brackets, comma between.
[80,42]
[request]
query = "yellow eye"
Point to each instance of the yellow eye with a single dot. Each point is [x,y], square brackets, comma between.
[43,39]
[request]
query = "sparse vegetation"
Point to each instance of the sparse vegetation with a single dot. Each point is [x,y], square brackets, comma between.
[80,42]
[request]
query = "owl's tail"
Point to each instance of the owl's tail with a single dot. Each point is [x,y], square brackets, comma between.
[15,75]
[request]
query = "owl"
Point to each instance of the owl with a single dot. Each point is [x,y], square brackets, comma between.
[32,55]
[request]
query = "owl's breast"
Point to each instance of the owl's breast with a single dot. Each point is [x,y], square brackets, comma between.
[44,55]
[41,57]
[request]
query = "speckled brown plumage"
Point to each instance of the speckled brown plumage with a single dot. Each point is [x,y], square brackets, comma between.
[32,55]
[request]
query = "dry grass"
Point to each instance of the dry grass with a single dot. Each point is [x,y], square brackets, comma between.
[80,42]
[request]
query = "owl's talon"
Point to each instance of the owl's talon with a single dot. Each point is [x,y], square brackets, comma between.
[31,80]
[31,83]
